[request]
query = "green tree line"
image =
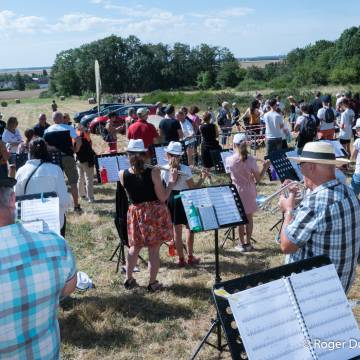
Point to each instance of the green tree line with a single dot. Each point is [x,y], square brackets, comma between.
[126,65]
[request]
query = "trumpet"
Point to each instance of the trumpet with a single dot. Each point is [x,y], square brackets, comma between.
[264,203]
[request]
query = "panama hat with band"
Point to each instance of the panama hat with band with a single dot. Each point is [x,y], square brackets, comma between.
[136,146]
[174,148]
[319,152]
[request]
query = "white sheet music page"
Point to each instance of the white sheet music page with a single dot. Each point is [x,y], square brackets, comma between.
[33,226]
[199,197]
[224,155]
[111,166]
[160,156]
[267,323]
[123,162]
[208,217]
[46,209]
[327,313]
[223,200]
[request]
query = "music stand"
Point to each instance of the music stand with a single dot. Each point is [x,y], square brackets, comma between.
[202,197]
[113,163]
[282,165]
[236,346]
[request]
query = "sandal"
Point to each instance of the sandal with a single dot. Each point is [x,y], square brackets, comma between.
[181,262]
[155,286]
[249,247]
[193,260]
[130,284]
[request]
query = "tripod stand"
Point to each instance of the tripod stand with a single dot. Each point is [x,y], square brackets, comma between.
[215,323]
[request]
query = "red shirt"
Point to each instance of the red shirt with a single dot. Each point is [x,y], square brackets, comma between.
[141,129]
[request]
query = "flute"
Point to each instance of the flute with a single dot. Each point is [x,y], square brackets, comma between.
[164,168]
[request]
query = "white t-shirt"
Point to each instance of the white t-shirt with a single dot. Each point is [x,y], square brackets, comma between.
[187,128]
[62,127]
[357,147]
[47,178]
[273,121]
[347,118]
[321,116]
[9,137]
[181,180]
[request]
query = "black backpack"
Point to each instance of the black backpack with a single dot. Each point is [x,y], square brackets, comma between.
[329,115]
[308,130]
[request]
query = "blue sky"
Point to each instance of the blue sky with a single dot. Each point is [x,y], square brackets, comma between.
[32,32]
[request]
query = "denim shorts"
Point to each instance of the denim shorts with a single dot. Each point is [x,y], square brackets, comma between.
[355,184]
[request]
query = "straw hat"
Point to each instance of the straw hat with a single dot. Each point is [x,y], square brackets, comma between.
[319,152]
[136,146]
[174,148]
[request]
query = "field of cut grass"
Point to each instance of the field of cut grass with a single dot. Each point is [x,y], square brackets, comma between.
[112,323]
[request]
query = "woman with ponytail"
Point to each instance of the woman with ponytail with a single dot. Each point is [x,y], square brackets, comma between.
[244,175]
[148,218]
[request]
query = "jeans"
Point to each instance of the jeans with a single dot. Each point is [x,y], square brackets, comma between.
[273,145]
[225,134]
[355,184]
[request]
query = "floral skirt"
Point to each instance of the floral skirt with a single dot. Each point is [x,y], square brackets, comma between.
[149,224]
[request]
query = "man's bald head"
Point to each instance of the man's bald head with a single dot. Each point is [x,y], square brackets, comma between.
[57,117]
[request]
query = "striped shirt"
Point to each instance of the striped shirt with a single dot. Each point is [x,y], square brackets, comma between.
[34,268]
[327,223]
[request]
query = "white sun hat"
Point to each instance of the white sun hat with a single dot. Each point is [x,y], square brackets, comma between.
[174,148]
[238,138]
[136,146]
[319,152]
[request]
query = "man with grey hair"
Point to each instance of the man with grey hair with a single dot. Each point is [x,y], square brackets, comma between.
[41,126]
[61,137]
[36,269]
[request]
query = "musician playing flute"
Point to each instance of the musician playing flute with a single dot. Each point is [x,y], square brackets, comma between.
[245,174]
[148,218]
[178,216]
[327,220]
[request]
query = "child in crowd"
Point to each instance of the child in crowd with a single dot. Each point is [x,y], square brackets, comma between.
[244,175]
[12,138]
[111,130]
[23,147]
[85,164]
[346,124]
[178,216]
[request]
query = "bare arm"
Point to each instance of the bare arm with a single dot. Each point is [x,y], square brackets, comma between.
[259,175]
[4,153]
[354,154]
[78,143]
[69,286]
[161,192]
[180,133]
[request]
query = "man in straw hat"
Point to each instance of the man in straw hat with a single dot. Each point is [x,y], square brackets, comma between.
[326,220]
[35,270]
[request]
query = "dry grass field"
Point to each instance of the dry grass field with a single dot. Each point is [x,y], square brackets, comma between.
[111,323]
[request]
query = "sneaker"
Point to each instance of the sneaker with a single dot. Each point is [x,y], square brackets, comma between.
[193,260]
[240,248]
[181,262]
[78,209]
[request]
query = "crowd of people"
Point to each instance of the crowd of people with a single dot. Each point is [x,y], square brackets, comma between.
[324,223]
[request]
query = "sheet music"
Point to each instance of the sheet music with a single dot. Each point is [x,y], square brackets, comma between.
[46,209]
[208,217]
[223,200]
[268,324]
[160,156]
[326,311]
[111,166]
[123,162]
[33,226]
[338,148]
[224,155]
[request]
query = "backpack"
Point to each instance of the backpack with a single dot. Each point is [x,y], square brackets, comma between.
[329,116]
[308,130]
[221,118]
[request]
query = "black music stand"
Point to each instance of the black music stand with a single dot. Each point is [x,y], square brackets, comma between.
[243,220]
[234,342]
[282,165]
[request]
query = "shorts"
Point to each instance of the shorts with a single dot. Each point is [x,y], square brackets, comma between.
[70,170]
[344,141]
[12,159]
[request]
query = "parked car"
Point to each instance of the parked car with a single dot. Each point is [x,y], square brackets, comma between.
[121,114]
[85,120]
[79,115]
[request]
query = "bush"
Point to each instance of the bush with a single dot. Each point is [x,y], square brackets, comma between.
[4,104]
[32,86]
[46,94]
[250,85]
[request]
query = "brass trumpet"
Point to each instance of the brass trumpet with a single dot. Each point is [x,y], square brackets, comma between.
[265,203]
